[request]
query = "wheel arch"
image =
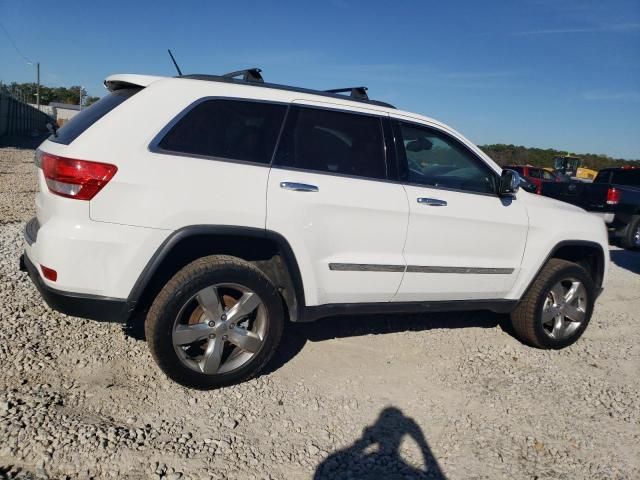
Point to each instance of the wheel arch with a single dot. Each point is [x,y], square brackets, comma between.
[586,253]
[268,250]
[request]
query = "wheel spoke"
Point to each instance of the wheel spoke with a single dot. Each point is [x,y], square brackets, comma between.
[246,340]
[575,292]
[210,302]
[186,334]
[212,356]
[247,304]
[558,294]
[548,315]
[558,326]
[573,313]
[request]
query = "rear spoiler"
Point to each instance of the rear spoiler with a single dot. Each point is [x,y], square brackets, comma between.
[129,80]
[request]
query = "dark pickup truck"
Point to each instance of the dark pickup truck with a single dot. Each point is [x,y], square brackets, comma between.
[614,194]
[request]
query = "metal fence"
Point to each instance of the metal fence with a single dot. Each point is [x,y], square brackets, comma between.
[17,117]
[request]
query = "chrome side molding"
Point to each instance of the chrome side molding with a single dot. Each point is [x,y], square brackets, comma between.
[366,267]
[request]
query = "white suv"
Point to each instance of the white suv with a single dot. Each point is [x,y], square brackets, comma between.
[217,208]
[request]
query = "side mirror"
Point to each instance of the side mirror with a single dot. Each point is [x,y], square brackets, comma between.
[509,182]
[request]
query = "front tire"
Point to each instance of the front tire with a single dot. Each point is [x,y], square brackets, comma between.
[556,309]
[216,323]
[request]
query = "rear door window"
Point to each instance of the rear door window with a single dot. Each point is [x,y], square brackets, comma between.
[87,117]
[332,141]
[228,129]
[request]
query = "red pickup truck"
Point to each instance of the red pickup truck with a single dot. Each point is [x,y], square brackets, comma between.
[535,175]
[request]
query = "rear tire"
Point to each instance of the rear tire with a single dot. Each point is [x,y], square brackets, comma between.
[631,235]
[216,323]
[556,309]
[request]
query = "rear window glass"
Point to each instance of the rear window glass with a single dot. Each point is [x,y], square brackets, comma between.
[87,117]
[233,129]
[626,177]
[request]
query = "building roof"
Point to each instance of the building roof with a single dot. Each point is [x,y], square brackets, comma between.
[68,106]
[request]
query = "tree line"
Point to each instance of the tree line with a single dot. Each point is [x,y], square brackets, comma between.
[518,155]
[71,95]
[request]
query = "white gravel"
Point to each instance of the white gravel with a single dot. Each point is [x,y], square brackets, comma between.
[452,395]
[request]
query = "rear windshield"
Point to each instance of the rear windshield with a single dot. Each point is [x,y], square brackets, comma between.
[626,177]
[629,177]
[83,120]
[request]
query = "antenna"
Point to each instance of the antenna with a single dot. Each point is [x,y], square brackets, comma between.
[174,62]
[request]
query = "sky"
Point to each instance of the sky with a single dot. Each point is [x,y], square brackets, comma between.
[559,74]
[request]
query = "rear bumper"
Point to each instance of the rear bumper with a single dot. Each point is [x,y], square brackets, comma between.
[93,307]
[606,217]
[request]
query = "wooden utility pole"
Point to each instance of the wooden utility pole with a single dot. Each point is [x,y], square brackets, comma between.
[38,85]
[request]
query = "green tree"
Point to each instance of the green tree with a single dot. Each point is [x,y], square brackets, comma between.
[518,155]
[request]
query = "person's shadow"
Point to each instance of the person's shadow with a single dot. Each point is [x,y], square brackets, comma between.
[376,455]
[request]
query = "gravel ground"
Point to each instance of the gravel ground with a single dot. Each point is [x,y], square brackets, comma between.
[428,396]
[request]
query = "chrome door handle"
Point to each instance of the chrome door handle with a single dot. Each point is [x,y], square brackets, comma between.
[298,187]
[432,202]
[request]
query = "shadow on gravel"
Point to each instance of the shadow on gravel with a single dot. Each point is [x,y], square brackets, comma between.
[626,259]
[296,335]
[376,455]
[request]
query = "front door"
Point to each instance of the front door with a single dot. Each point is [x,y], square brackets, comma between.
[464,242]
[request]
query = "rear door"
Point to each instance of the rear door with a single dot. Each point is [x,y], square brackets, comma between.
[328,195]
[463,242]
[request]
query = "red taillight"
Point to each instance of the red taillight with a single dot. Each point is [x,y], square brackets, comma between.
[49,273]
[613,196]
[79,179]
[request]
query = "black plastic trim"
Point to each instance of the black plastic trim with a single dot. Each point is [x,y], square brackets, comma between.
[573,243]
[310,314]
[158,257]
[94,307]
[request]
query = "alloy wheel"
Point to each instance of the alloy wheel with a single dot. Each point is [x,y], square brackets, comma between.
[564,309]
[220,329]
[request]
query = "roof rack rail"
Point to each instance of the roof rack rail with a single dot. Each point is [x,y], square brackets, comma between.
[253,76]
[248,75]
[354,92]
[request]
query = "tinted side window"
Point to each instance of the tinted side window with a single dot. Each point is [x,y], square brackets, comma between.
[333,142]
[547,175]
[534,173]
[602,176]
[234,129]
[436,159]
[87,117]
